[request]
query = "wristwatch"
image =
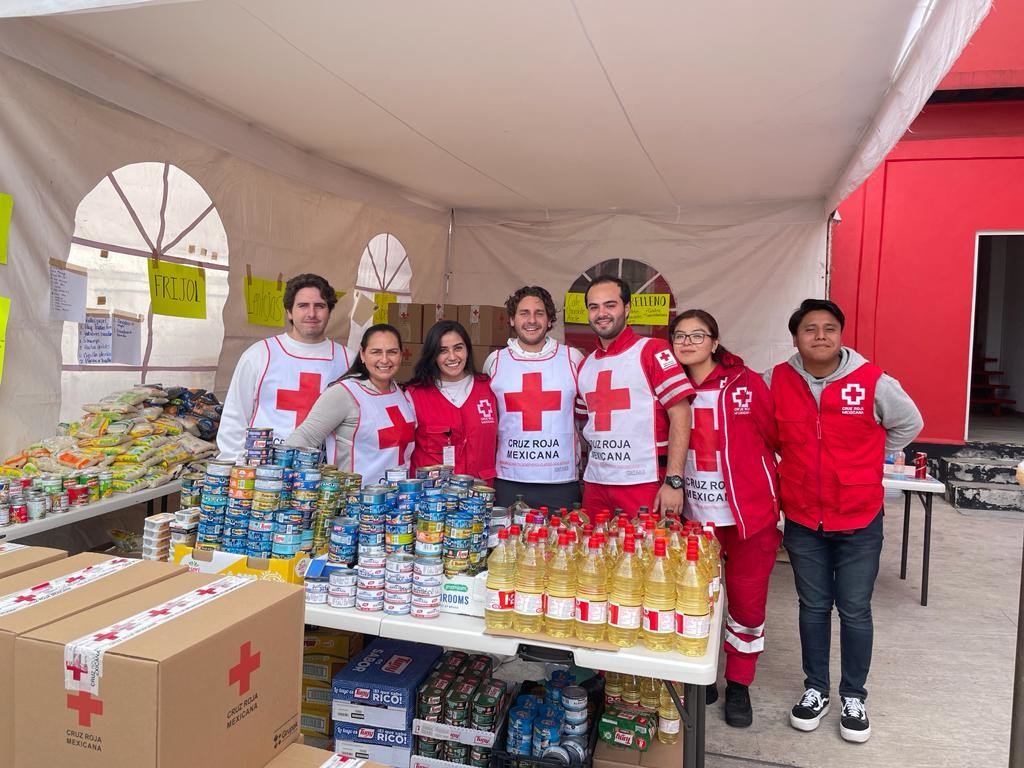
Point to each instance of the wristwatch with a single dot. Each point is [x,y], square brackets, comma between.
[674,481]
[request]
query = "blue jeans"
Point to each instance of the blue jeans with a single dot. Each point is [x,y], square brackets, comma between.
[829,568]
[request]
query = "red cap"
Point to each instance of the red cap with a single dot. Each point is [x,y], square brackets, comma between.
[604,516]
[542,533]
[564,539]
[595,542]
[503,534]
[630,529]
[531,537]
[515,530]
[649,524]
[691,549]
[629,544]
[588,529]
[556,522]
[659,547]
[574,517]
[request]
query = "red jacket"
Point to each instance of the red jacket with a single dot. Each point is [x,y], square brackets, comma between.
[831,467]
[472,429]
[747,444]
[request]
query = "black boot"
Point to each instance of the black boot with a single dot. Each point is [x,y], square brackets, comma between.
[738,712]
[711,693]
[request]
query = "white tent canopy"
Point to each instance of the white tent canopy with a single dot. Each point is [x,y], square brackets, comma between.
[710,140]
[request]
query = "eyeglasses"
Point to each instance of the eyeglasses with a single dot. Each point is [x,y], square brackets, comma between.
[696,338]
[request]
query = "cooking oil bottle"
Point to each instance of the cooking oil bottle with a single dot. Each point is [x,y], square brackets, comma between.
[630,690]
[519,510]
[715,557]
[659,601]
[560,589]
[501,583]
[626,597]
[668,715]
[693,620]
[612,687]
[528,616]
[592,593]
[650,693]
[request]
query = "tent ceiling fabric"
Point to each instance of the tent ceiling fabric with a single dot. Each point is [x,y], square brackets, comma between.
[544,105]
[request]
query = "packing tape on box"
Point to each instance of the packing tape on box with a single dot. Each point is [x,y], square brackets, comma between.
[83,658]
[5,547]
[40,593]
[349,762]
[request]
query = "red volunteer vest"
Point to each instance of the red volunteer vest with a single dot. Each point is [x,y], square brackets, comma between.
[471,429]
[830,474]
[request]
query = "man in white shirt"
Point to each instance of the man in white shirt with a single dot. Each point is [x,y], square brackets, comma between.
[277,380]
[534,381]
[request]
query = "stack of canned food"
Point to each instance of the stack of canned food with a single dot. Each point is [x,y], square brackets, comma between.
[31,498]
[213,503]
[398,584]
[554,726]
[259,445]
[426,588]
[341,588]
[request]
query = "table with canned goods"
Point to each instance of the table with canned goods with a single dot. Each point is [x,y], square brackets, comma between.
[467,633]
[76,514]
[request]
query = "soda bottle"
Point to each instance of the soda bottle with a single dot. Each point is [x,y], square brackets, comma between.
[528,616]
[591,593]
[501,583]
[626,597]
[650,693]
[519,510]
[715,557]
[668,715]
[560,589]
[693,620]
[659,601]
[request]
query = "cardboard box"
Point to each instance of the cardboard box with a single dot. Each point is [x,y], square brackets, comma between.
[487,326]
[368,734]
[408,319]
[304,756]
[628,727]
[378,686]
[208,561]
[15,558]
[435,313]
[316,694]
[658,755]
[397,757]
[316,722]
[325,653]
[410,354]
[67,589]
[197,670]
[466,595]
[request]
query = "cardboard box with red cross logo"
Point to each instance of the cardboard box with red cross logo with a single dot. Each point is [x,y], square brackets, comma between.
[15,558]
[408,319]
[37,597]
[198,670]
[487,327]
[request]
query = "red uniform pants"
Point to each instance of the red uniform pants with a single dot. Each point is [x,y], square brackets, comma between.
[747,571]
[628,498]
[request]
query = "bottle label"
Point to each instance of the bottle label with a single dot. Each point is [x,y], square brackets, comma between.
[693,627]
[669,726]
[624,616]
[500,599]
[529,603]
[591,611]
[659,621]
[560,607]
[717,583]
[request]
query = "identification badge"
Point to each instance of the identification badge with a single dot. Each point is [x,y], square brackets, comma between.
[448,455]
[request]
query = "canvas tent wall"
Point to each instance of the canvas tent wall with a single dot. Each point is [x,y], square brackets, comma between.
[710,142]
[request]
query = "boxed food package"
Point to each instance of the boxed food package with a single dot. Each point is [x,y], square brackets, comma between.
[315,723]
[198,669]
[397,757]
[378,686]
[304,756]
[200,560]
[487,326]
[408,319]
[64,587]
[627,727]
[325,652]
[658,755]
[464,595]
[368,734]
[15,558]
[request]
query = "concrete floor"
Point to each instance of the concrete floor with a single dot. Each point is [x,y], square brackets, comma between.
[986,428]
[942,676]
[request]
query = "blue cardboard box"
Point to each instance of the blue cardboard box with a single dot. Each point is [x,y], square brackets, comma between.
[368,734]
[378,686]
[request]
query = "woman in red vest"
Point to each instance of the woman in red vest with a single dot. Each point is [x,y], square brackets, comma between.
[456,412]
[730,481]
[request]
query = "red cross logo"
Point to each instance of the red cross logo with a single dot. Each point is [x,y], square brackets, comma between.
[73,579]
[704,439]
[160,612]
[75,670]
[25,599]
[486,411]
[105,636]
[300,400]
[853,394]
[207,591]
[742,397]
[603,400]
[86,705]
[241,673]
[533,401]
[399,435]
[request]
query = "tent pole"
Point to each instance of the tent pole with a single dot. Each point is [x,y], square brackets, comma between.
[1017,711]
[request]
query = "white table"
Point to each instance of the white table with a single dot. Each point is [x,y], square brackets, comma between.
[925,488]
[467,633]
[95,509]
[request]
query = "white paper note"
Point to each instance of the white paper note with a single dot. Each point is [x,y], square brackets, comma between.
[127,339]
[67,291]
[95,338]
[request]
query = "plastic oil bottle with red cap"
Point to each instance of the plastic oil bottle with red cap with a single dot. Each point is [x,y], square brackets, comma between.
[659,606]
[626,596]
[592,593]
[560,590]
[501,583]
[693,620]
[528,615]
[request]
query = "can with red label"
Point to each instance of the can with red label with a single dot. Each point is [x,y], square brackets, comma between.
[921,465]
[78,494]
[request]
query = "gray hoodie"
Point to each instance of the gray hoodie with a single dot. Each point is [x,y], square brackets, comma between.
[894,409]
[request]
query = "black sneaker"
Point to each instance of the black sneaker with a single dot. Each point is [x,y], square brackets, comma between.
[854,725]
[738,712]
[806,716]
[711,693]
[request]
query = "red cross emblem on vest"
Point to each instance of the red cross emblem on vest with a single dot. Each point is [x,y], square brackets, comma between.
[300,400]
[86,705]
[533,401]
[241,673]
[604,400]
[704,440]
[399,435]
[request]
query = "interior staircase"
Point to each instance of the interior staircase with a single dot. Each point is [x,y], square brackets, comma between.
[984,391]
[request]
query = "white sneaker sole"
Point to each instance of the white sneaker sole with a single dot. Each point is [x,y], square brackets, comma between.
[858,737]
[808,725]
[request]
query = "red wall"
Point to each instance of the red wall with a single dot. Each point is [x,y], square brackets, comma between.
[994,58]
[903,254]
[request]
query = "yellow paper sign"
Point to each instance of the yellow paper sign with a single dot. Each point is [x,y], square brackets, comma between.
[575,309]
[177,290]
[264,302]
[380,306]
[649,309]
[6,209]
[5,312]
